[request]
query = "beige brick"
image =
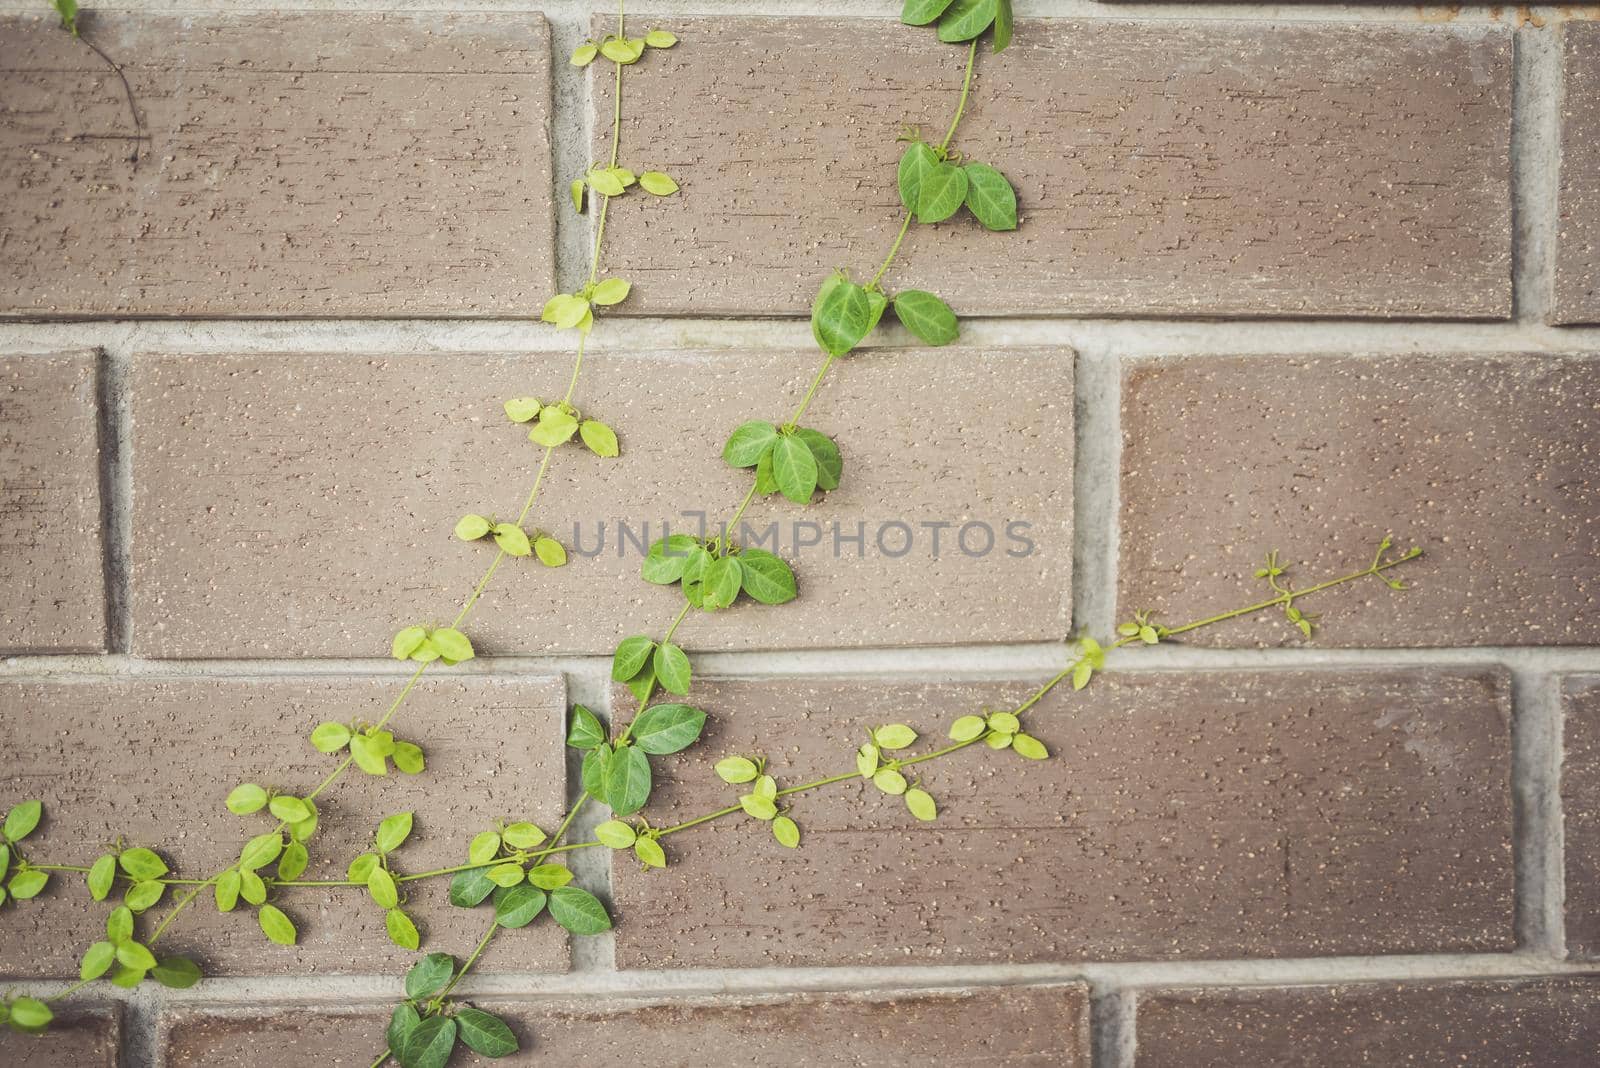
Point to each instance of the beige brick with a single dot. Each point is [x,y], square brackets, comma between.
[1019,1026]
[52,574]
[1487,464]
[303,505]
[152,760]
[1578,236]
[1210,815]
[313,164]
[1219,168]
[76,1038]
[1580,801]
[1547,1023]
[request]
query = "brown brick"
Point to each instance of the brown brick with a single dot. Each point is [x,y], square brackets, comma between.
[152,760]
[1546,1023]
[1487,464]
[52,574]
[1184,169]
[1580,801]
[76,1038]
[313,164]
[1578,239]
[1020,1026]
[1205,815]
[303,505]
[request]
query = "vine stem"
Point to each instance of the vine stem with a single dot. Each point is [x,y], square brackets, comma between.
[961,106]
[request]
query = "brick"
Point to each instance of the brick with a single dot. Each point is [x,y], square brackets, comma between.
[1577,295]
[1580,801]
[76,1038]
[1218,168]
[1546,1023]
[1021,1026]
[312,164]
[1210,815]
[1487,464]
[102,755]
[356,469]
[52,573]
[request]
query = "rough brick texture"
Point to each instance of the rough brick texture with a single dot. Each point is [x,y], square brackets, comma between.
[1578,248]
[356,468]
[1488,464]
[1580,801]
[1551,1023]
[52,575]
[152,760]
[77,1038]
[1007,1027]
[313,164]
[1192,815]
[1182,169]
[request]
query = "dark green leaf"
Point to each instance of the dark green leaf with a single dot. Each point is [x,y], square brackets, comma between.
[876,304]
[630,656]
[922,12]
[672,668]
[926,316]
[429,975]
[795,468]
[469,888]
[943,190]
[666,560]
[747,443]
[643,684]
[517,906]
[485,1033]
[578,911]
[1002,25]
[429,1044]
[965,19]
[585,731]
[595,764]
[402,1022]
[990,197]
[178,973]
[627,781]
[842,315]
[663,729]
[765,577]
[830,465]
[766,485]
[915,163]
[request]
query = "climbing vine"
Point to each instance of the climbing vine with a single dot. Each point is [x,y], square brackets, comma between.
[514,870]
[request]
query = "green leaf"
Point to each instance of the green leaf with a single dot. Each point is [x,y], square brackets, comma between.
[582,56]
[966,728]
[141,896]
[402,931]
[576,188]
[877,303]
[889,781]
[596,762]
[245,799]
[766,485]
[518,410]
[1004,722]
[549,552]
[795,468]
[549,876]
[293,863]
[942,191]
[483,848]
[922,12]
[604,181]
[578,911]
[119,925]
[650,853]
[393,832]
[512,540]
[360,869]
[656,183]
[1081,674]
[429,975]
[176,973]
[484,1032]
[142,863]
[922,805]
[926,316]
[830,465]
[786,831]
[471,527]
[1003,23]
[724,577]
[30,1014]
[867,761]
[330,737]
[916,163]
[275,925]
[627,781]
[664,564]
[408,758]
[469,888]
[585,730]
[29,884]
[507,874]
[97,961]
[736,769]
[630,657]
[965,19]
[381,885]
[894,736]
[990,197]
[251,888]
[748,443]
[289,809]
[261,850]
[672,669]
[452,644]
[555,427]
[405,643]
[842,315]
[1026,745]
[765,577]
[762,808]
[622,51]
[127,978]
[601,439]
[22,819]
[101,876]
[227,890]
[612,291]
[5,862]
[402,1022]
[668,728]
[615,834]
[429,1044]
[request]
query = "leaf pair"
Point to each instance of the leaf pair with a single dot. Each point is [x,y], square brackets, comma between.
[638,658]
[934,189]
[711,582]
[962,20]
[133,959]
[512,539]
[794,461]
[620,776]
[425,646]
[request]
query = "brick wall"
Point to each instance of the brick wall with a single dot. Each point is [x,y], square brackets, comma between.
[1287,278]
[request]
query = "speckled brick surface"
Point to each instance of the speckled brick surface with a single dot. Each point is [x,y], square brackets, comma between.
[297,164]
[1161,168]
[1578,236]
[1489,464]
[52,575]
[1580,802]
[1193,815]
[82,1037]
